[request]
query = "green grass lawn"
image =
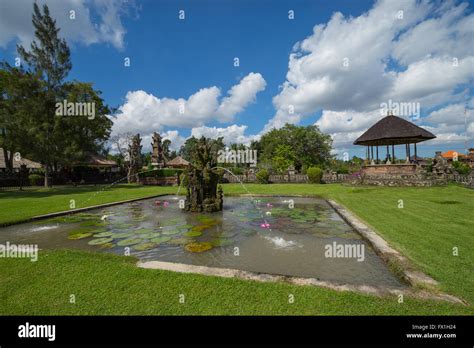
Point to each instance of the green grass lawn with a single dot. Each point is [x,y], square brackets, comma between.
[431,222]
[108,284]
[20,205]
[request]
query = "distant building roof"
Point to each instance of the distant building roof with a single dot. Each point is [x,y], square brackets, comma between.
[17,164]
[450,154]
[97,161]
[178,161]
[393,130]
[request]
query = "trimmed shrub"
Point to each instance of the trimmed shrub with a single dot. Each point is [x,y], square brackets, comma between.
[262,176]
[461,168]
[35,179]
[315,175]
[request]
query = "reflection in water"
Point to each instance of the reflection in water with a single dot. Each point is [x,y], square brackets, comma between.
[238,237]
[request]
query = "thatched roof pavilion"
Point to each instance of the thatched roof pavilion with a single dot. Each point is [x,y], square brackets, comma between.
[96,161]
[178,162]
[391,131]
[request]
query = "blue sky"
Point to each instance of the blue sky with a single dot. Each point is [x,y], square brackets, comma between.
[173,59]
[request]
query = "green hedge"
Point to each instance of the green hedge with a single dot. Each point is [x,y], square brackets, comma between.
[160,173]
[35,179]
[262,176]
[315,175]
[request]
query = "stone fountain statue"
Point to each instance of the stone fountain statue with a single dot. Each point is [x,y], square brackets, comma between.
[157,158]
[134,159]
[203,192]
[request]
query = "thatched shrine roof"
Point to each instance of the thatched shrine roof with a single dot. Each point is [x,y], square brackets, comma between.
[393,130]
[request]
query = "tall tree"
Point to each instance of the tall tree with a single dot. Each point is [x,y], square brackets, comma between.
[309,144]
[166,148]
[58,140]
[188,148]
[284,157]
[21,98]
[49,56]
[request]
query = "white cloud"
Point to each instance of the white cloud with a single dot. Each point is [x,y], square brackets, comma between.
[453,114]
[433,75]
[349,66]
[176,139]
[445,138]
[241,95]
[440,36]
[143,112]
[15,20]
[231,134]
[347,121]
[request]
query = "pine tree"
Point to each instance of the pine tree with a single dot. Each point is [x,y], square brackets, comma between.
[49,57]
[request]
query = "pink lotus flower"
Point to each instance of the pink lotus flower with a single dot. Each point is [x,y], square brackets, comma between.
[157,202]
[265,225]
[166,204]
[269,205]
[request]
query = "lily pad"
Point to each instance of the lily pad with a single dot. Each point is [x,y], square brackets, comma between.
[193,234]
[122,225]
[103,234]
[172,222]
[196,247]
[180,241]
[123,235]
[144,246]
[79,235]
[107,246]
[200,228]
[160,240]
[207,221]
[129,241]
[222,242]
[100,241]
[171,232]
[150,235]
[144,230]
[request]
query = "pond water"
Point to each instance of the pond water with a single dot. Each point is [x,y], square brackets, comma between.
[277,235]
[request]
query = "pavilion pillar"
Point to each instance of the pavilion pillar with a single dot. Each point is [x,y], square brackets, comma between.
[393,153]
[377,154]
[371,153]
[416,156]
[388,153]
[367,153]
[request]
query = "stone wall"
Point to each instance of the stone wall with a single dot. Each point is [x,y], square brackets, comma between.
[159,181]
[380,169]
[421,179]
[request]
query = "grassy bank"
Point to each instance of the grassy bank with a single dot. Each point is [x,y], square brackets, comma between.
[108,284]
[425,224]
[20,205]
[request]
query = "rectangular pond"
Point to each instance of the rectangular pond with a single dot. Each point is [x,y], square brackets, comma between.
[276,235]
